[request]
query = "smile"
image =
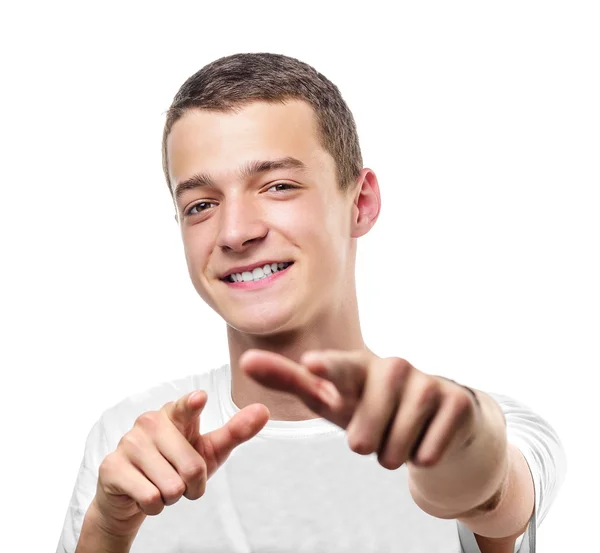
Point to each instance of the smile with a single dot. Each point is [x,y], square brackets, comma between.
[258,278]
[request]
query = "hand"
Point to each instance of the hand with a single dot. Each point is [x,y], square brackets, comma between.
[163,457]
[385,405]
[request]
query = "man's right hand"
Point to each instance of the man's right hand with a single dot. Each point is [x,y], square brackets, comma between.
[163,457]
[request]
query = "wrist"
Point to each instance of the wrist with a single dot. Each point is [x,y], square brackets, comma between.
[469,475]
[117,533]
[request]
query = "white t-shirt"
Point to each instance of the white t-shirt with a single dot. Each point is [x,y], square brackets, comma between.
[297,486]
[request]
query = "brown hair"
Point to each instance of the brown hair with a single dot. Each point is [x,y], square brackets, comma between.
[232,81]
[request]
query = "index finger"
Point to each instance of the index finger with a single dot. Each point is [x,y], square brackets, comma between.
[280,373]
[185,412]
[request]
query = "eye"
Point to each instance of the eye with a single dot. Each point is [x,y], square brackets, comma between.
[189,210]
[288,186]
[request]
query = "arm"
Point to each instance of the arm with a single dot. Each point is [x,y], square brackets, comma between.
[515,498]
[511,500]
[95,537]
[487,485]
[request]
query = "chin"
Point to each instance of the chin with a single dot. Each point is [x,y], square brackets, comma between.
[258,324]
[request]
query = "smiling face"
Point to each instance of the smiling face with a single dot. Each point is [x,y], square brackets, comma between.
[247,212]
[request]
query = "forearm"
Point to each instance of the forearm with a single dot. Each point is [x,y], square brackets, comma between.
[96,537]
[466,478]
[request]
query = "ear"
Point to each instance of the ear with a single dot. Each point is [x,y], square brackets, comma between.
[367,203]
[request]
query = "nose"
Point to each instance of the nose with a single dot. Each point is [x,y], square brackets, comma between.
[241,225]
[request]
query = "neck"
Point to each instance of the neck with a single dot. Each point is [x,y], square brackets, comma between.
[337,328]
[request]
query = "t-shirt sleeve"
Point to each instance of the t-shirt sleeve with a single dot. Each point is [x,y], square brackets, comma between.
[545,454]
[96,449]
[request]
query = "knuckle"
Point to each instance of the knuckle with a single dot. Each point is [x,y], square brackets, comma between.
[148,421]
[392,376]
[151,503]
[197,490]
[392,456]
[360,445]
[390,464]
[430,392]
[193,471]
[172,491]
[460,407]
[462,404]
[167,406]
[108,466]
[398,367]
[354,445]
[131,443]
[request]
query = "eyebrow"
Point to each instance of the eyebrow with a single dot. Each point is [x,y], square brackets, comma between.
[247,170]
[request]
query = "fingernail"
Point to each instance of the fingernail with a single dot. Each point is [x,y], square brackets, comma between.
[329,396]
[312,355]
[193,397]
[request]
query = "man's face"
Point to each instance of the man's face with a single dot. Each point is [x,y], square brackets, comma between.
[285,214]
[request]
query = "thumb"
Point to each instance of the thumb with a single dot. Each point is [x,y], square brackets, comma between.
[243,426]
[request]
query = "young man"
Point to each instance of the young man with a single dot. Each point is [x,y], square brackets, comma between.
[262,160]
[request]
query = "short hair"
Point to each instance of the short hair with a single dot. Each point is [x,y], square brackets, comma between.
[230,82]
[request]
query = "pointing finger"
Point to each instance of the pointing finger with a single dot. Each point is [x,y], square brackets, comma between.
[185,412]
[280,373]
[346,369]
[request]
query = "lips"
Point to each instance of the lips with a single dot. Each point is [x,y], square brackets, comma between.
[250,268]
[261,281]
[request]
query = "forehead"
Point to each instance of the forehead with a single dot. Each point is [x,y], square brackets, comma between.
[218,143]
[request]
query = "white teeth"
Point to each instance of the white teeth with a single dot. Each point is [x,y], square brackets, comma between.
[259,273]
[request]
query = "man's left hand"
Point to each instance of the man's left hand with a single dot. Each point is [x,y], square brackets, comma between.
[385,404]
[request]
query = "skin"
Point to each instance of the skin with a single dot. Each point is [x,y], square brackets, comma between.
[296,346]
[314,307]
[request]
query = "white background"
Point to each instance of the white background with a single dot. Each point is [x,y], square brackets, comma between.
[482,123]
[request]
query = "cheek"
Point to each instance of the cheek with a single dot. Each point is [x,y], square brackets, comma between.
[318,227]
[326,248]
[197,251]
[308,216]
